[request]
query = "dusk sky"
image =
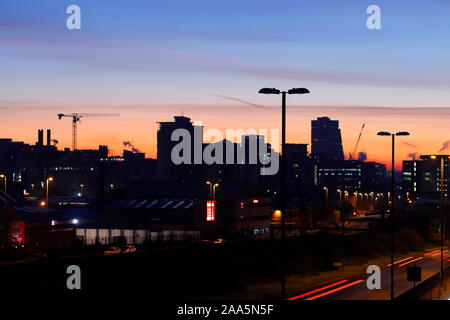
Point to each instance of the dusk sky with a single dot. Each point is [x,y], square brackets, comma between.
[148,60]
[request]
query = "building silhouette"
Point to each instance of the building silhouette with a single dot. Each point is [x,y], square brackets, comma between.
[300,166]
[167,171]
[326,139]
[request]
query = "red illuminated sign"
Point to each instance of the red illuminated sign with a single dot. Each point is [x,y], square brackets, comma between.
[17,232]
[210,210]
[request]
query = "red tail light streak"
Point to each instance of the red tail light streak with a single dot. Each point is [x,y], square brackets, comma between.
[335,290]
[318,290]
[411,261]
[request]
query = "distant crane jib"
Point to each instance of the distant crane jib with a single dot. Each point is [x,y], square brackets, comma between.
[76,117]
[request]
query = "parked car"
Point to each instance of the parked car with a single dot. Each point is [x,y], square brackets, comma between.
[112,251]
[128,249]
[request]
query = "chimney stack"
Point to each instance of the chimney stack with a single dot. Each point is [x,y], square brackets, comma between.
[49,137]
[40,137]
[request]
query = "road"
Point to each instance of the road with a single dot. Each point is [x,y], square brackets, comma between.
[355,288]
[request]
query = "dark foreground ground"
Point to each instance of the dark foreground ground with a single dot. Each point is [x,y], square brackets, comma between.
[187,271]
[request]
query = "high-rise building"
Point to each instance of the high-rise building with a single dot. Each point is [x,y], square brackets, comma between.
[422,178]
[326,139]
[167,170]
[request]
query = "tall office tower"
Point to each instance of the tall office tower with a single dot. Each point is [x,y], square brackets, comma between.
[326,139]
[167,170]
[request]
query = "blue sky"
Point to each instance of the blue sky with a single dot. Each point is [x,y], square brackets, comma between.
[152,57]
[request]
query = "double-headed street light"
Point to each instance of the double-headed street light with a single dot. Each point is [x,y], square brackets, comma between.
[392,213]
[283,174]
[212,189]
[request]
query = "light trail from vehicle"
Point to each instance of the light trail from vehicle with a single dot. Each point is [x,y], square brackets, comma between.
[428,253]
[400,261]
[317,290]
[334,290]
[406,263]
[436,254]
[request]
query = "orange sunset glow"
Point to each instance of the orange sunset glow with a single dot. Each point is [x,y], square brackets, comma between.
[426,137]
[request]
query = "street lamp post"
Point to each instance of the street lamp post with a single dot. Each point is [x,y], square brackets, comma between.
[46,194]
[340,196]
[214,190]
[326,195]
[210,189]
[283,175]
[3,176]
[384,133]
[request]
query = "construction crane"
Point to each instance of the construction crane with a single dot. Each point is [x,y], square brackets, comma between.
[76,117]
[353,154]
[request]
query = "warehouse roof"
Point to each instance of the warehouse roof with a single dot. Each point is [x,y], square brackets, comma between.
[165,203]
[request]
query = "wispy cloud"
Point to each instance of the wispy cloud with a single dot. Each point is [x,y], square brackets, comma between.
[241,101]
[408,144]
[362,78]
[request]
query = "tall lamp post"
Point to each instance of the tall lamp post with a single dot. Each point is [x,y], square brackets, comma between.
[326,206]
[212,189]
[282,175]
[46,193]
[340,195]
[3,176]
[442,189]
[326,195]
[384,133]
